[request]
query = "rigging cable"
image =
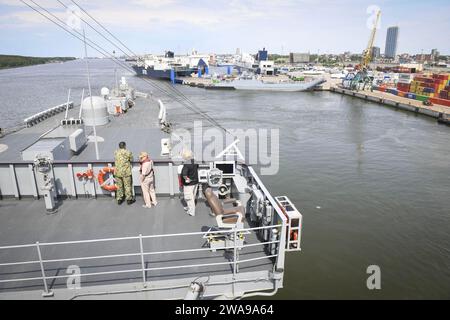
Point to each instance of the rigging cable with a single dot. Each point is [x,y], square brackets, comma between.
[174,89]
[97,48]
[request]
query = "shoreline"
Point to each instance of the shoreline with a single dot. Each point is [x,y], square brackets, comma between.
[32,65]
[15,61]
[436,111]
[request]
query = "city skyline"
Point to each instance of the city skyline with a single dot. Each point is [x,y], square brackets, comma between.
[281,27]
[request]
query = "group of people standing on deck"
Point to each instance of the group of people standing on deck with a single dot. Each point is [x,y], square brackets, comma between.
[123,159]
[123,174]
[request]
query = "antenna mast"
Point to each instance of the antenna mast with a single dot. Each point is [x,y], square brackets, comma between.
[90,96]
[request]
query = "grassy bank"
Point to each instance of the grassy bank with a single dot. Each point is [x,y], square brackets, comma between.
[9,61]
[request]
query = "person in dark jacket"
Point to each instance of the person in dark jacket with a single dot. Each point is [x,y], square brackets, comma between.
[189,176]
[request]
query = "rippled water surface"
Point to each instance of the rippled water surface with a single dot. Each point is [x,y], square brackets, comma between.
[373,183]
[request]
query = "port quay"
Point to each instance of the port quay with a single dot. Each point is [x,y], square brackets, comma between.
[419,84]
[375,94]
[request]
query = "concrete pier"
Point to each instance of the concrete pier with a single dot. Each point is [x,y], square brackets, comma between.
[435,111]
[442,113]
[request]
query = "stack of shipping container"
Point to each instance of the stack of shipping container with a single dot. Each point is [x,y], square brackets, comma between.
[434,88]
[404,82]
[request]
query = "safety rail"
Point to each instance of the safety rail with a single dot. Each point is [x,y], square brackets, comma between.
[38,117]
[9,130]
[18,178]
[142,253]
[274,204]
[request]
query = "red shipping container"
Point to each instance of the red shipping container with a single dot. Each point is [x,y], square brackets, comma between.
[442,102]
[403,87]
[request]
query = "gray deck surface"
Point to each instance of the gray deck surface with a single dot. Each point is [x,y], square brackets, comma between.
[24,138]
[25,222]
[139,128]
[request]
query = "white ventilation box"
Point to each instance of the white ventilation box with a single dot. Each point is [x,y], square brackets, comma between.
[77,140]
[55,149]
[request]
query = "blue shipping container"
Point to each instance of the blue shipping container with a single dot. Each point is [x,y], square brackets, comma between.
[172,76]
[392,91]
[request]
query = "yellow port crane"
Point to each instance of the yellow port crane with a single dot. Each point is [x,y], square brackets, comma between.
[360,80]
[367,54]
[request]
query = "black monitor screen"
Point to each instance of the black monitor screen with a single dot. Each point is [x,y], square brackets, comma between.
[226,168]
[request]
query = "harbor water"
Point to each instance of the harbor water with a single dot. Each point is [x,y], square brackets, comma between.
[372,183]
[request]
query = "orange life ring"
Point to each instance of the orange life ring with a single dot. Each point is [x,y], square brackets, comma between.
[101,179]
[294,235]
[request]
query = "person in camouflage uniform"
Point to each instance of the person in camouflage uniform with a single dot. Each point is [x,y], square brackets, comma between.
[123,159]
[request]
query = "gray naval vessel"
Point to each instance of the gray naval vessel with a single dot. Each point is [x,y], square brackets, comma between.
[63,236]
[257,84]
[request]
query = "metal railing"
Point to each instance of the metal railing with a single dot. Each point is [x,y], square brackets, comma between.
[280,215]
[19,179]
[143,270]
[38,117]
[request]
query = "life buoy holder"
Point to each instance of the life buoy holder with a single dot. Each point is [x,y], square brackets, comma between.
[89,175]
[106,184]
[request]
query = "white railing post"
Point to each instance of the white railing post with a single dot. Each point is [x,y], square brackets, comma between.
[141,245]
[234,254]
[67,105]
[46,293]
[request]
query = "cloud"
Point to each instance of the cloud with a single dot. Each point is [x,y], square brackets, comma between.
[147,13]
[153,3]
[305,25]
[51,4]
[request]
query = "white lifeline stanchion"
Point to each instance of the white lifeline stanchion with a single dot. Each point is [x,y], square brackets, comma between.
[46,293]
[141,245]
[67,105]
[234,254]
[113,193]
[81,105]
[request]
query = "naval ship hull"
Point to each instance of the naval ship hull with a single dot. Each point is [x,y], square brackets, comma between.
[64,237]
[258,85]
[141,71]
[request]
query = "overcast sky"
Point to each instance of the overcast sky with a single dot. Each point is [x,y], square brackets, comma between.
[282,26]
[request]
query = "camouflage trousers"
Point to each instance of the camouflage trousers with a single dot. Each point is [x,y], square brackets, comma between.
[124,188]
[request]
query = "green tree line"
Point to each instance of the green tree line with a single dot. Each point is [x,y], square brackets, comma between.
[12,61]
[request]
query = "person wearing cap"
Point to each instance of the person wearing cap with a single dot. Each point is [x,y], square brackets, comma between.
[147,177]
[189,176]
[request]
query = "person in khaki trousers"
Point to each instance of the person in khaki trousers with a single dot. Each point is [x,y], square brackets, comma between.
[189,176]
[147,180]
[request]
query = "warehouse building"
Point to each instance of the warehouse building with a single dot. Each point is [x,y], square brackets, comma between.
[299,57]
